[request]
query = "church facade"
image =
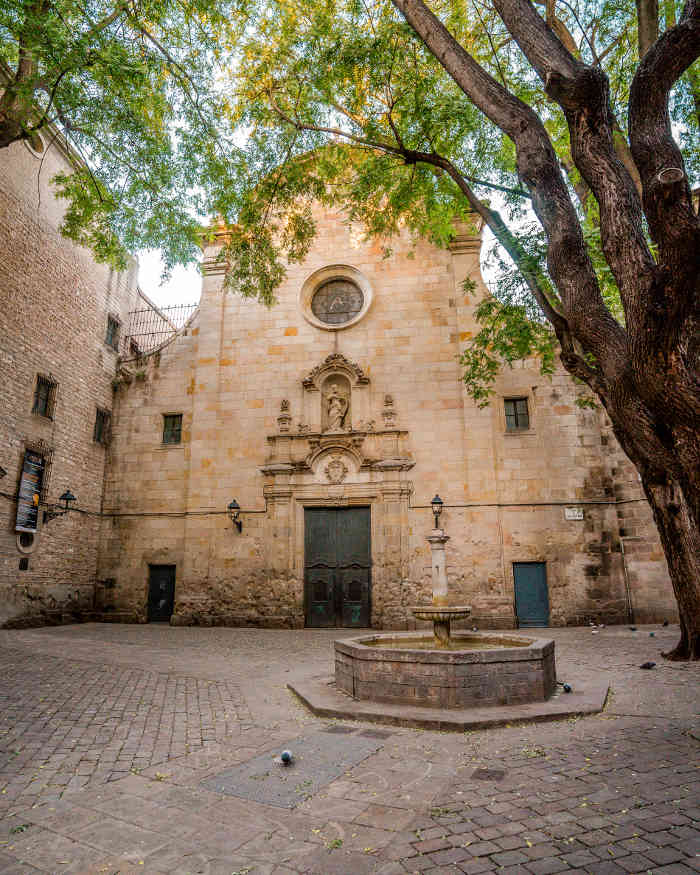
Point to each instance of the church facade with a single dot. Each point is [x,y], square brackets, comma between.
[276,467]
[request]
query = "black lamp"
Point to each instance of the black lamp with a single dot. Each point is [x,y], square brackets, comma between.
[436,505]
[66,498]
[52,513]
[234,511]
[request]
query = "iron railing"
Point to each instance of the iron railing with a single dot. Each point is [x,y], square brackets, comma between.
[151,327]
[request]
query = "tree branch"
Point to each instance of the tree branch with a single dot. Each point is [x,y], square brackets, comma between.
[667,200]
[583,93]
[568,261]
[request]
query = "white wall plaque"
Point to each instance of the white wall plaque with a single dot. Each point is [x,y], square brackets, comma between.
[573,513]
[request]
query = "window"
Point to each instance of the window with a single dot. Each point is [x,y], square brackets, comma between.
[44,396]
[517,416]
[100,433]
[337,301]
[172,428]
[112,336]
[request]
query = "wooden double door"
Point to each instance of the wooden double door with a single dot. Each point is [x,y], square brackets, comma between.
[337,566]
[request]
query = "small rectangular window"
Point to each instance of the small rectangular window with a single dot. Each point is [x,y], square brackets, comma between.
[112,336]
[44,396]
[172,428]
[517,416]
[100,433]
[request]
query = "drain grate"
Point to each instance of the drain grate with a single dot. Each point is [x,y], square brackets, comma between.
[319,758]
[489,775]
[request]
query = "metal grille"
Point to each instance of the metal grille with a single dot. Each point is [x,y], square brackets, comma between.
[172,428]
[153,326]
[517,416]
[44,396]
[101,430]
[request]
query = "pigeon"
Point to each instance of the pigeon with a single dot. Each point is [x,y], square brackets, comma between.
[286,757]
[665,622]
[567,688]
[647,665]
[633,628]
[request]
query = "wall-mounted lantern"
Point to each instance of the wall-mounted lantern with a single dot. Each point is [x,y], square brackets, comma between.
[436,505]
[53,512]
[234,511]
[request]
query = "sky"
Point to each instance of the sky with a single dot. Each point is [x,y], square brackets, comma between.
[184,286]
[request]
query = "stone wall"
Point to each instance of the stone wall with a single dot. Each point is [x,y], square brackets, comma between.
[250,383]
[54,304]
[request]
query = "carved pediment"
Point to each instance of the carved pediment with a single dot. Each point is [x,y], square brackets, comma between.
[338,364]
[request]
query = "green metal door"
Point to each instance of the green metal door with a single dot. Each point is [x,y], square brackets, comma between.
[531,594]
[337,566]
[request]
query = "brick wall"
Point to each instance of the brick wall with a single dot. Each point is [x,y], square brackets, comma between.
[54,304]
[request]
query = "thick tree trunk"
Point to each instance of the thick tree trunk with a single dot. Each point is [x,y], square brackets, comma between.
[680,538]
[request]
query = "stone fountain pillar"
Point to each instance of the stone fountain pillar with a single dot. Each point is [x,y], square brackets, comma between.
[437,540]
[440,613]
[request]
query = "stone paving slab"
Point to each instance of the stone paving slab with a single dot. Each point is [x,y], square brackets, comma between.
[322,698]
[318,758]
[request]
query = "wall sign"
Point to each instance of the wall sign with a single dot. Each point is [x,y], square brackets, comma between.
[573,513]
[29,492]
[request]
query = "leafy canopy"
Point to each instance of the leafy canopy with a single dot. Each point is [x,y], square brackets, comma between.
[252,110]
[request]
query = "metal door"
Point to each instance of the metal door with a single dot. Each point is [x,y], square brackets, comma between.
[161,593]
[531,594]
[337,566]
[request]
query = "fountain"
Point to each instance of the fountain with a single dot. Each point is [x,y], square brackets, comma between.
[440,612]
[447,670]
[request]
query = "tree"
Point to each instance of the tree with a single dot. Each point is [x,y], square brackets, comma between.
[130,85]
[404,118]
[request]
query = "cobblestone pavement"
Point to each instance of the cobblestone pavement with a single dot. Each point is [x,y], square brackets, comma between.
[68,723]
[168,708]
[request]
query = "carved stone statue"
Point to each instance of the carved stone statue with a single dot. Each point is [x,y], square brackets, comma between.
[336,408]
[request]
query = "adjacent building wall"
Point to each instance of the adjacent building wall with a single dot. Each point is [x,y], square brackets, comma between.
[54,305]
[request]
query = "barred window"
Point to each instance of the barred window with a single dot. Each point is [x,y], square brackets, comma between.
[172,428]
[517,416]
[112,336]
[44,396]
[103,419]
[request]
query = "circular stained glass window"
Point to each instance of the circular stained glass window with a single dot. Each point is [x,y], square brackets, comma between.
[337,301]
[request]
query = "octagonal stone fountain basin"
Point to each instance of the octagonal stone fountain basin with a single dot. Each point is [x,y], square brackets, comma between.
[478,668]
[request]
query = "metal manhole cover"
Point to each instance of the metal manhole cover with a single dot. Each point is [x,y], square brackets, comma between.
[319,758]
[489,775]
